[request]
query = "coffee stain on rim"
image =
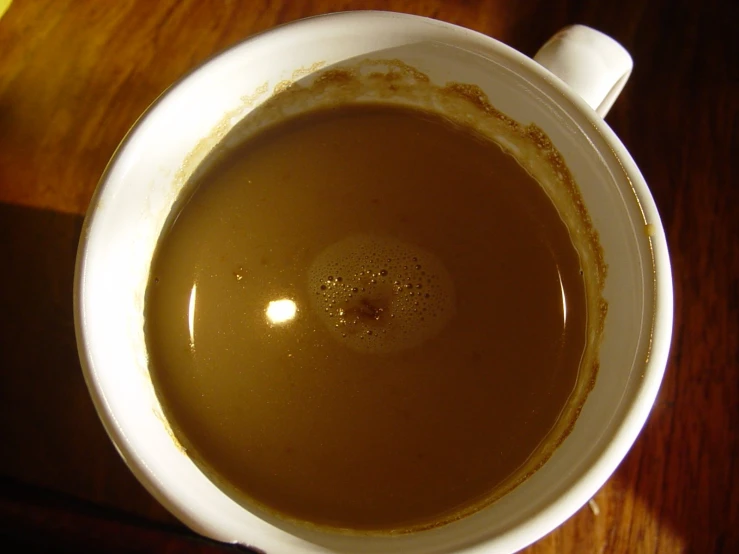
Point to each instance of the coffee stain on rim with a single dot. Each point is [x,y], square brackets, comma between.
[207,144]
[250,100]
[168,429]
[377,81]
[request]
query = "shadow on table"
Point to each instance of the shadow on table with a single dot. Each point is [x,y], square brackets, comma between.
[48,426]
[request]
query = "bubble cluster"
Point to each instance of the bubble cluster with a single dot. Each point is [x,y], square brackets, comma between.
[378,294]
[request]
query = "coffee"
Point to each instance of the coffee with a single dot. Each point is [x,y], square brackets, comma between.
[368,318]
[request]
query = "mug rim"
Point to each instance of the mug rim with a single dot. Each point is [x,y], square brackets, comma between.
[586,484]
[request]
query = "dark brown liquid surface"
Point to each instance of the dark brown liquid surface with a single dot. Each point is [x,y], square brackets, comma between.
[438,407]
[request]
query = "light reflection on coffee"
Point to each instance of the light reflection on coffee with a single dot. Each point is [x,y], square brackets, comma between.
[281,311]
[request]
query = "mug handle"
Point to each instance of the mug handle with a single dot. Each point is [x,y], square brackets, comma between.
[593,64]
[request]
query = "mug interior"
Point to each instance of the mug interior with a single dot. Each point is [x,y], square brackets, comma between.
[143,181]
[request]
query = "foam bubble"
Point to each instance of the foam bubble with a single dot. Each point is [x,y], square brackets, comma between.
[378,294]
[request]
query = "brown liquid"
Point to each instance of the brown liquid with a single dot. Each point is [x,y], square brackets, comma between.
[387,409]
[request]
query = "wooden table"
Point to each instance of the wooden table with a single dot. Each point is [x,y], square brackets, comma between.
[74,76]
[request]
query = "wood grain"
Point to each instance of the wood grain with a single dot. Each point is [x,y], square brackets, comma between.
[75,75]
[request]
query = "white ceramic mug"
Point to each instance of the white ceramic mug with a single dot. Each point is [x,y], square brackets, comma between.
[143,180]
